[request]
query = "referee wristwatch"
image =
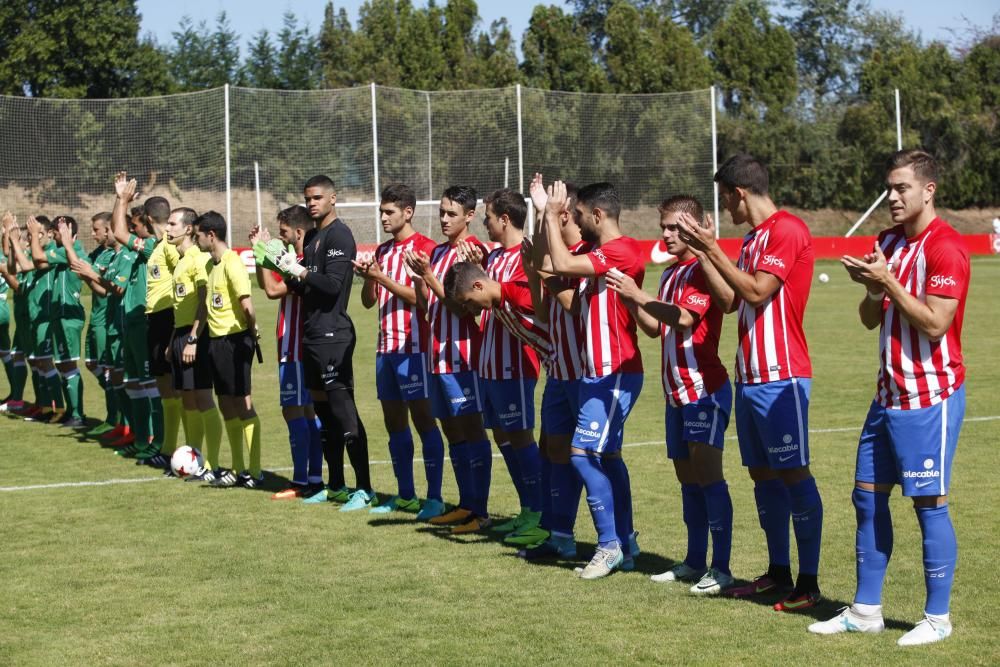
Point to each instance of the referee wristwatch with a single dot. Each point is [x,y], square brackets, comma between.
[191,340]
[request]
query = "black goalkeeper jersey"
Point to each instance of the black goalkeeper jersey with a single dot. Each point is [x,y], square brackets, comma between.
[326,291]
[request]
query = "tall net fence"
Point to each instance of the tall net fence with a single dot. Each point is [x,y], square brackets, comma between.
[59,156]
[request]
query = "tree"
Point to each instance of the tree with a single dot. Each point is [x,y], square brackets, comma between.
[825,43]
[335,37]
[497,60]
[88,48]
[298,62]
[200,59]
[557,55]
[260,70]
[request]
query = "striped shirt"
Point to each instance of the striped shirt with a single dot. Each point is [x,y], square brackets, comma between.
[771,342]
[455,340]
[568,358]
[917,371]
[289,325]
[690,363]
[503,355]
[612,343]
[401,328]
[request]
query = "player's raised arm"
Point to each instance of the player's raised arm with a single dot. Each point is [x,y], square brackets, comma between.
[35,232]
[754,288]
[564,262]
[125,190]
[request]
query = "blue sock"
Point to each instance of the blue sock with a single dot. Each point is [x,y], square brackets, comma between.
[774,512]
[719,510]
[565,498]
[529,463]
[693,509]
[433,453]
[480,476]
[315,451]
[458,454]
[401,453]
[600,497]
[940,557]
[621,487]
[546,493]
[510,458]
[872,543]
[807,520]
[298,438]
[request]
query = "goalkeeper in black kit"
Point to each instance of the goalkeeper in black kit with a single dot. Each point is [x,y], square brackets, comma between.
[323,281]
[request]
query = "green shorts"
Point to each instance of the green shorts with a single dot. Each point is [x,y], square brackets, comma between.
[66,333]
[42,348]
[96,345]
[135,350]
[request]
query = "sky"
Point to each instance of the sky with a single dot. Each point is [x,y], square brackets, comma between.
[930,18]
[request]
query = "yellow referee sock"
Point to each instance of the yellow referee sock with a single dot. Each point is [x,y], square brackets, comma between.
[234,429]
[212,422]
[251,432]
[194,428]
[171,423]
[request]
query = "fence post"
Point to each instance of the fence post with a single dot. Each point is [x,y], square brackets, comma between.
[520,145]
[378,227]
[715,164]
[229,187]
[430,150]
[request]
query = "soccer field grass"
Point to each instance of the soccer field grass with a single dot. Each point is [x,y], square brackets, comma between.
[106,562]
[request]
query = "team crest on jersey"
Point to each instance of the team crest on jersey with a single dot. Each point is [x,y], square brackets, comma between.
[156,271]
[180,290]
[217,301]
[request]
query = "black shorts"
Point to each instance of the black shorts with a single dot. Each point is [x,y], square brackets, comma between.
[328,366]
[231,358]
[159,329]
[188,377]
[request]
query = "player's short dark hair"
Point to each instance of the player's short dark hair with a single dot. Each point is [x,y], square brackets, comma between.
[510,203]
[44,221]
[157,209]
[460,278]
[401,195]
[320,181]
[603,196]
[139,213]
[69,220]
[744,171]
[212,221]
[103,216]
[296,216]
[922,163]
[463,195]
[684,204]
[188,215]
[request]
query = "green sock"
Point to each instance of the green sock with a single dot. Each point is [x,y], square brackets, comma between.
[251,433]
[74,393]
[171,423]
[234,429]
[124,402]
[212,422]
[18,380]
[141,410]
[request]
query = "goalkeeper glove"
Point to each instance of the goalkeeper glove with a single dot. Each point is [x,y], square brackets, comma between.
[289,266]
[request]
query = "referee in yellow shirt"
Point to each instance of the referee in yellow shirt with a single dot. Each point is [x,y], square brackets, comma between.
[232,330]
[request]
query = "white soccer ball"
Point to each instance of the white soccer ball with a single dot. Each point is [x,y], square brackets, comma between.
[823,278]
[186,461]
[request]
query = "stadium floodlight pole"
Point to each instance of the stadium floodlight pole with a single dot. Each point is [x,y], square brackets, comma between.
[715,163]
[885,193]
[229,189]
[256,187]
[378,227]
[520,144]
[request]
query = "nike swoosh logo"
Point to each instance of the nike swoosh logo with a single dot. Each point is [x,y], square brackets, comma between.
[921,485]
[659,256]
[695,432]
[782,459]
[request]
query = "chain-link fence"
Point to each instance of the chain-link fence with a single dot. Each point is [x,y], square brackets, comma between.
[229,148]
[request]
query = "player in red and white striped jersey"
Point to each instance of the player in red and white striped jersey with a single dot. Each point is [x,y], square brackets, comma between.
[508,364]
[613,377]
[699,398]
[400,360]
[917,280]
[452,359]
[770,287]
[304,431]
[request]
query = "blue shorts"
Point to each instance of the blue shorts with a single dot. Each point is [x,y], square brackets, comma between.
[705,420]
[292,385]
[560,406]
[912,448]
[605,404]
[772,423]
[401,377]
[509,405]
[455,394]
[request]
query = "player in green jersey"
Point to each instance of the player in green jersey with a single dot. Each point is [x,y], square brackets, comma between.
[40,236]
[10,350]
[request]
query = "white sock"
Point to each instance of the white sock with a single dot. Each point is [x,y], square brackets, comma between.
[938,618]
[867,609]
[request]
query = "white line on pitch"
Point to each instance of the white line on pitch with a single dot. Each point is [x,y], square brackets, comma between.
[140,480]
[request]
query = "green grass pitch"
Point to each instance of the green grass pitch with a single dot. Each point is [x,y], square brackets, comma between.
[145,570]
